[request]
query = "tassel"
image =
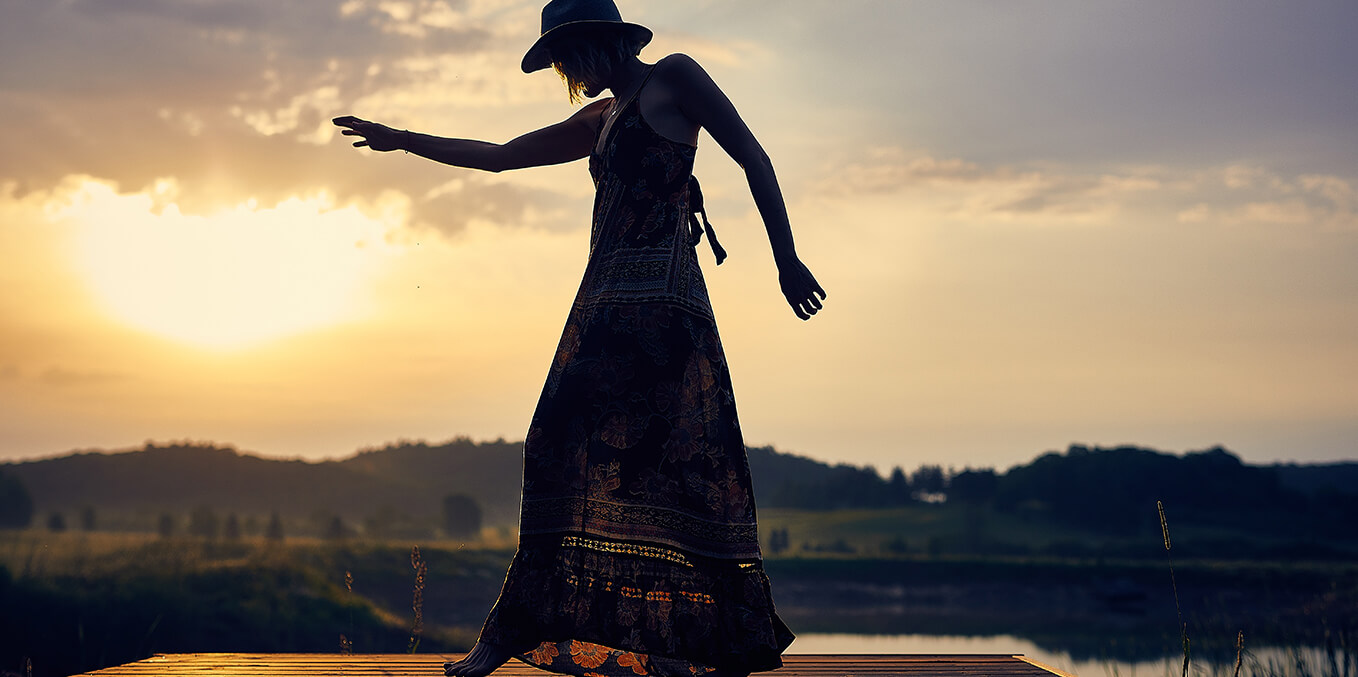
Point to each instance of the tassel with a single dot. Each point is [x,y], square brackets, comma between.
[695,229]
[717,250]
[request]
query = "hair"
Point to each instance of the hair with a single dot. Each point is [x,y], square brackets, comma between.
[589,52]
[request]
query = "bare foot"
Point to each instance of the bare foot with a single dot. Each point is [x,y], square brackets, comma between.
[483,659]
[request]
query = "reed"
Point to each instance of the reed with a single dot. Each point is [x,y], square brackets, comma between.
[346,644]
[417,601]
[1183,627]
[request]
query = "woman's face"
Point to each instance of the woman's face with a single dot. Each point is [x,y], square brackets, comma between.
[582,60]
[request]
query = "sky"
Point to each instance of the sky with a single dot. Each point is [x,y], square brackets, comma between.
[1040,222]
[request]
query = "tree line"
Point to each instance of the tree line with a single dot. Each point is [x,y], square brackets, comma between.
[1104,489]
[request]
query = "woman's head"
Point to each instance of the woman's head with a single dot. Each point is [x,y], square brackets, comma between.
[584,40]
[585,58]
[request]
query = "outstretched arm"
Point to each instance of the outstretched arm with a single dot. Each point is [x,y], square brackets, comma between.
[564,141]
[704,103]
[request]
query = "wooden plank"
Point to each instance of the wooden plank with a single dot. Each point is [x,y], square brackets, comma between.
[425,665]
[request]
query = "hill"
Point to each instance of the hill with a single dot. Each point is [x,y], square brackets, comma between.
[1096,490]
[406,479]
[401,480]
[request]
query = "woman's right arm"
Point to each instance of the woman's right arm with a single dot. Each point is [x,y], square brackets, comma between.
[568,140]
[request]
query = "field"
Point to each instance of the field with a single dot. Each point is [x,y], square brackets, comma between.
[946,529]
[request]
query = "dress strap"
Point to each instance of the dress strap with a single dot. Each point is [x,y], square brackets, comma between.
[615,111]
[695,229]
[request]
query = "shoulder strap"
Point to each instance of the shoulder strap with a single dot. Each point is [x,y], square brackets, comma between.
[640,87]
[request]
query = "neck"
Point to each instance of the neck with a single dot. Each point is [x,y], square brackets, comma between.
[626,76]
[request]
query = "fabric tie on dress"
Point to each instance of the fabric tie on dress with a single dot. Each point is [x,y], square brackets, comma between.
[695,229]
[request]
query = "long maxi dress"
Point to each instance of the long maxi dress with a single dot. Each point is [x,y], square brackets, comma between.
[638,551]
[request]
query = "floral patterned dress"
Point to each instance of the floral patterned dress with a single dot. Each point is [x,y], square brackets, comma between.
[638,550]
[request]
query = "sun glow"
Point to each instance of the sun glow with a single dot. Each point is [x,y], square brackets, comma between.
[231,279]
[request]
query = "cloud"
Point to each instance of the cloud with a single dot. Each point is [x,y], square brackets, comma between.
[131,91]
[1234,194]
[968,190]
[1247,194]
[452,206]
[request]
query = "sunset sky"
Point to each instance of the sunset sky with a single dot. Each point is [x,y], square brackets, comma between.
[1039,222]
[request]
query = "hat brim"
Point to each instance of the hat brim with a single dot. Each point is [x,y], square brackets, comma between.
[538,58]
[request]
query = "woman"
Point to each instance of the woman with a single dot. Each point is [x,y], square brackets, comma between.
[638,551]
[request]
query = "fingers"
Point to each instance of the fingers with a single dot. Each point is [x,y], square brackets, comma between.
[803,308]
[360,144]
[347,121]
[806,304]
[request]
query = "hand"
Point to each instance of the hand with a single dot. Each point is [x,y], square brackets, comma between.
[800,288]
[376,136]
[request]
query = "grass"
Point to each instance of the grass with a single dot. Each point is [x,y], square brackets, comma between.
[1335,659]
[76,602]
[101,598]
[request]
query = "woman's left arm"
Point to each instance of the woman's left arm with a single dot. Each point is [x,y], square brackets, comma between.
[703,102]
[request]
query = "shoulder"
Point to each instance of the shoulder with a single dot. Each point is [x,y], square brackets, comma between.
[686,81]
[680,68]
[594,108]
[592,113]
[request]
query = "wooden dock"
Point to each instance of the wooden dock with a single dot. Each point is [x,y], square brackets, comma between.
[425,665]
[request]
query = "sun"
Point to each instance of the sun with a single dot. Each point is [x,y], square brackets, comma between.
[228,280]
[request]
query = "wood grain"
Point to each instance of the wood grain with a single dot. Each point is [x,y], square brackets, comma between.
[431,665]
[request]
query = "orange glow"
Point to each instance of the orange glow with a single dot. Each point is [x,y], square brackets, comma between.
[228,280]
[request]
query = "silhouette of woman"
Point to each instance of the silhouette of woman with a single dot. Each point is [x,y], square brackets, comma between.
[638,552]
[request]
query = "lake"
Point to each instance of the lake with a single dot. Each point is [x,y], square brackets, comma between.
[1261,661]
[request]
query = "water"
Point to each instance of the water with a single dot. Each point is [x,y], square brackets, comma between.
[1256,662]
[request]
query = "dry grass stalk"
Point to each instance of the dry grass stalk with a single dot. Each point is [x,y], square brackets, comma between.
[1183,627]
[346,644]
[417,602]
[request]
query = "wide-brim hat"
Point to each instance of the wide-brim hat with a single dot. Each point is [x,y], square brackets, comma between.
[569,17]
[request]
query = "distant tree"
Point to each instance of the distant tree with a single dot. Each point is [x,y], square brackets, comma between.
[898,486]
[204,524]
[231,530]
[56,522]
[87,518]
[1114,491]
[461,516]
[274,532]
[165,527]
[928,479]
[16,505]
[973,486]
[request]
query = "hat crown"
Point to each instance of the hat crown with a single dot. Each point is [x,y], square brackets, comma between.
[565,17]
[560,12]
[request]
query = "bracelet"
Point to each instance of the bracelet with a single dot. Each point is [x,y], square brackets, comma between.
[407,148]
